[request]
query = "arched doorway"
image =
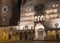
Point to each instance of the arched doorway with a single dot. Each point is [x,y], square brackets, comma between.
[39,32]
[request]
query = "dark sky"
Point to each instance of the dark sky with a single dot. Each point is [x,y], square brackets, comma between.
[16,13]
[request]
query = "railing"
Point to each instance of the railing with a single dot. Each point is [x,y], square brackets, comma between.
[6,35]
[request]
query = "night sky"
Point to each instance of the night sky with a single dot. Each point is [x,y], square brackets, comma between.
[16,13]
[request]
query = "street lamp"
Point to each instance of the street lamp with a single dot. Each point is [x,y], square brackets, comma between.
[57,36]
[56,25]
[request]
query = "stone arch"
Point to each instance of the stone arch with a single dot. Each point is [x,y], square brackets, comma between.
[39,25]
[39,29]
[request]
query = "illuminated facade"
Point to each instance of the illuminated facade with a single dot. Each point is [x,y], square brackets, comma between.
[49,20]
[27,15]
[39,20]
[52,20]
[43,17]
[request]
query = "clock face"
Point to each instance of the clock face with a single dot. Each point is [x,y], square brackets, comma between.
[9,12]
[38,8]
[5,12]
[4,9]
